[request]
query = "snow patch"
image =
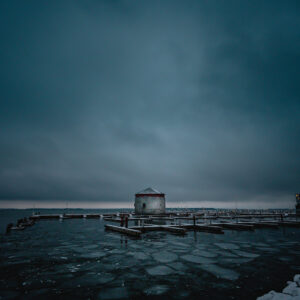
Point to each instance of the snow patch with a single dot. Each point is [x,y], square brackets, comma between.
[291,292]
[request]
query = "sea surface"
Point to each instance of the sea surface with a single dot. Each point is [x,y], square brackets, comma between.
[78,259]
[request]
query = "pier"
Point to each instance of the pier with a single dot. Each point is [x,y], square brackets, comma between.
[125,230]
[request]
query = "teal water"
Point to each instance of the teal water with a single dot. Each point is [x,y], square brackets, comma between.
[78,259]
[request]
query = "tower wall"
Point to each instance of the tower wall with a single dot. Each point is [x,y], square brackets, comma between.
[147,205]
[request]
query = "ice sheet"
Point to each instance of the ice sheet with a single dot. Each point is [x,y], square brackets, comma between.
[221,272]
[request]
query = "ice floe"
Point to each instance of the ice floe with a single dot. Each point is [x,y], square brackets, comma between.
[235,261]
[89,279]
[260,244]
[164,256]
[159,270]
[209,254]
[139,255]
[113,293]
[156,290]
[79,249]
[96,254]
[268,249]
[116,251]
[227,246]
[226,253]
[285,258]
[179,244]
[90,246]
[180,250]
[245,254]
[159,244]
[70,267]
[220,272]
[179,266]
[197,259]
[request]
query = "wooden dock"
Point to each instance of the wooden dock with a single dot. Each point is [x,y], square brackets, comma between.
[44,217]
[169,228]
[214,223]
[127,231]
[93,216]
[173,229]
[289,224]
[273,225]
[209,228]
[202,227]
[235,226]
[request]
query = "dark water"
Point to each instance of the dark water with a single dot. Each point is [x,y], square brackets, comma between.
[77,259]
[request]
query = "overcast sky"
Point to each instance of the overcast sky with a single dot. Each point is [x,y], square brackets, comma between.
[198,99]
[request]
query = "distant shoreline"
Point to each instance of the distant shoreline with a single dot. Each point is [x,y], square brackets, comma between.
[128,208]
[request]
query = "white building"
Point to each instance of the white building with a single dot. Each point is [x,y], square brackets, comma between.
[149,201]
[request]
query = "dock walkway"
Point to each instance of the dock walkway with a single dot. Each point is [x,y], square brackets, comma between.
[172,222]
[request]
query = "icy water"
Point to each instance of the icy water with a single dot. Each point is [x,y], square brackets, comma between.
[78,259]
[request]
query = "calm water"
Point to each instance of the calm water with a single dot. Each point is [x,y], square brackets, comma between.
[77,259]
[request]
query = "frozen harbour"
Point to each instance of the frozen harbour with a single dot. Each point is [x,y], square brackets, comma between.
[78,259]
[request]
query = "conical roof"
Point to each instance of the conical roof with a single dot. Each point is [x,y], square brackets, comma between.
[150,191]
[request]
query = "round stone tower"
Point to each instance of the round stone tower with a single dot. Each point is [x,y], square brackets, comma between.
[149,202]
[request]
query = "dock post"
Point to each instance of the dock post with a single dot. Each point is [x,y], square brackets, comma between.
[126,221]
[122,220]
[194,219]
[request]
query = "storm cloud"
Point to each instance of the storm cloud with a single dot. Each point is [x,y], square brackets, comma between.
[199,99]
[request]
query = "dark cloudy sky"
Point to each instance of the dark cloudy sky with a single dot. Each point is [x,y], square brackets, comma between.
[199,99]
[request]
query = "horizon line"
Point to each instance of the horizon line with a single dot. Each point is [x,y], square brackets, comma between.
[25,204]
[215,208]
